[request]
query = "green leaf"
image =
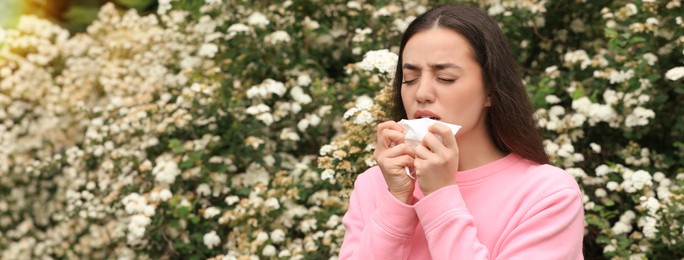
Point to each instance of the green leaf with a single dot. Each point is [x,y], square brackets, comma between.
[610,33]
[578,93]
[195,219]
[137,4]
[637,40]
[176,146]
[183,212]
[81,14]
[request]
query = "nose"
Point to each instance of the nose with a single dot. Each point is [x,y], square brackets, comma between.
[424,91]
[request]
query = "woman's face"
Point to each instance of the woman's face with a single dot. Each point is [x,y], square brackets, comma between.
[442,80]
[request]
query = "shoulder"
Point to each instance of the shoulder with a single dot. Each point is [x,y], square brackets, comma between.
[542,180]
[552,176]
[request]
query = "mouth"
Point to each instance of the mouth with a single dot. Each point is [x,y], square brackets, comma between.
[426,114]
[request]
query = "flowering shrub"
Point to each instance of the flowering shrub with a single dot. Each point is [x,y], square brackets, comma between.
[227,130]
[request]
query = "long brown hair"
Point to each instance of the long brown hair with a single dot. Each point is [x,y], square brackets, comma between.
[510,118]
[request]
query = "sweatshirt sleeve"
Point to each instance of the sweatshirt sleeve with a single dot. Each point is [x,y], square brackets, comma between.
[449,228]
[378,226]
[551,229]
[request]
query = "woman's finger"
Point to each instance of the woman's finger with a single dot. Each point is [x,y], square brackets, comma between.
[392,137]
[399,150]
[423,152]
[448,138]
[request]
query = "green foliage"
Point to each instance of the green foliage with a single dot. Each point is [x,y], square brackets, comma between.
[236,128]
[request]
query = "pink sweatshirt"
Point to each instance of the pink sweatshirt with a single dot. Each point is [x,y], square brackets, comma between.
[511,208]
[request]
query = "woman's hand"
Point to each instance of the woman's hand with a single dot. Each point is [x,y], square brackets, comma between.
[436,160]
[392,155]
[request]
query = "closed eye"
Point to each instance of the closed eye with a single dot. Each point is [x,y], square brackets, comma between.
[445,80]
[408,82]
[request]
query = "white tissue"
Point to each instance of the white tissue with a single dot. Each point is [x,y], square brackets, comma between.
[416,129]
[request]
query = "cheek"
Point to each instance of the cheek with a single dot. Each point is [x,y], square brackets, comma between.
[404,97]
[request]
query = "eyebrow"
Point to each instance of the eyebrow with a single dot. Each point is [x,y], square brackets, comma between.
[438,66]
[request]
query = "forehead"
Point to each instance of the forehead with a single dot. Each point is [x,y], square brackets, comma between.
[437,45]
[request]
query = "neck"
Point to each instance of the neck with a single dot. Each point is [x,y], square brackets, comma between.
[476,149]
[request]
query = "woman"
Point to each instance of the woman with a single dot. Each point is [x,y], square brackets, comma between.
[486,193]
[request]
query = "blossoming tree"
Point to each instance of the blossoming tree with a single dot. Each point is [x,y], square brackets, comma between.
[235,129]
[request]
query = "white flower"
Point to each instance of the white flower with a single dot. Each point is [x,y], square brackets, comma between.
[602,170]
[328,174]
[333,221]
[639,117]
[277,37]
[261,237]
[364,102]
[266,118]
[303,80]
[610,96]
[211,239]
[238,28]
[631,9]
[134,203]
[651,204]
[650,58]
[277,236]
[634,181]
[552,99]
[287,134]
[266,88]
[658,176]
[326,149]
[401,24]
[578,56]
[136,228]
[230,200]
[272,203]
[621,228]
[609,248]
[203,190]
[299,96]
[649,226]
[208,50]
[354,5]
[310,24]
[284,253]
[363,118]
[257,19]
[383,60]
[269,250]
[675,73]
[495,9]
[360,34]
[257,109]
[611,185]
[600,193]
[211,212]
[166,170]
[163,6]
[211,2]
[620,76]
[595,147]
[165,195]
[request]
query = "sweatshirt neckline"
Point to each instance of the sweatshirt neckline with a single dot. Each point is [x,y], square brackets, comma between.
[484,171]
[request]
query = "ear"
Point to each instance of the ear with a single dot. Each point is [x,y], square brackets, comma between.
[488,101]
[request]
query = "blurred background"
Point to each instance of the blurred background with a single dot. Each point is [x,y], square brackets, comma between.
[74,15]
